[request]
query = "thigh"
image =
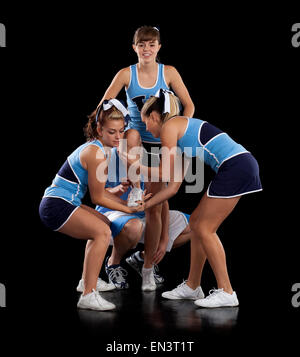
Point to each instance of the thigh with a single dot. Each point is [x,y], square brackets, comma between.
[96,214]
[211,212]
[84,225]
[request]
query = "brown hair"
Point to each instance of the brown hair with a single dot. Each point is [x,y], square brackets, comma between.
[146,33]
[90,129]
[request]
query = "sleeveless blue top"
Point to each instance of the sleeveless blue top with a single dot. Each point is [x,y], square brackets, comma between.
[71,181]
[137,96]
[209,143]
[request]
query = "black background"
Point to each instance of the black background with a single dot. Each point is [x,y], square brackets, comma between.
[242,73]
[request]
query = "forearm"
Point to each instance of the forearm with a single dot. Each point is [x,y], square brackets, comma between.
[189,110]
[113,204]
[114,195]
[163,195]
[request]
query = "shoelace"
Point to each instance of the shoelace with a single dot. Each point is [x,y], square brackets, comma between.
[118,274]
[178,288]
[156,270]
[97,296]
[213,292]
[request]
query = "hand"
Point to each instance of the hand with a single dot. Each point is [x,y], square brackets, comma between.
[120,189]
[160,253]
[141,204]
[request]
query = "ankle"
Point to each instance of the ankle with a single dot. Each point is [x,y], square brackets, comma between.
[192,284]
[113,261]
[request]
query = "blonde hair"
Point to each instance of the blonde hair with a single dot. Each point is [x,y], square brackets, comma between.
[157,104]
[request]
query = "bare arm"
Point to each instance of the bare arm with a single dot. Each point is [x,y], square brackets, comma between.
[94,162]
[168,137]
[120,80]
[177,84]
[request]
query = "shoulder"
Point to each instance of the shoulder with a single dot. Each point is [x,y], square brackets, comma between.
[170,69]
[171,73]
[123,74]
[92,153]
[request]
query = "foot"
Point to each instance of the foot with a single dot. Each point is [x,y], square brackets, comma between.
[184,292]
[93,301]
[136,263]
[101,285]
[136,194]
[218,298]
[148,283]
[116,275]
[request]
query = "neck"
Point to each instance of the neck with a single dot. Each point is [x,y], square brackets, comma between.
[147,67]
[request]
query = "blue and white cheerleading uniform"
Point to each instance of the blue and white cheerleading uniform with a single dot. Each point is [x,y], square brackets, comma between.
[237,171]
[69,186]
[137,96]
[116,171]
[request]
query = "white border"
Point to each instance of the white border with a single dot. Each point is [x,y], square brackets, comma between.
[137,78]
[240,194]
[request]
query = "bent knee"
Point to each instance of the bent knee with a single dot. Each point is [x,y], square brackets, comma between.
[201,228]
[103,234]
[133,230]
[133,137]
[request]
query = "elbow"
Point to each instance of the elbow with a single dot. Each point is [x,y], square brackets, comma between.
[173,189]
[96,200]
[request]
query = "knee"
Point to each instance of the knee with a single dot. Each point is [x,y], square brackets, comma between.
[103,235]
[133,137]
[154,212]
[201,229]
[133,230]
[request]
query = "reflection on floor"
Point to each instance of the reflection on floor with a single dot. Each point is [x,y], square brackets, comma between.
[149,313]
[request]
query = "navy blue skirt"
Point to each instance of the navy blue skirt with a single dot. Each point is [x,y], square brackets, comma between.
[236,176]
[55,212]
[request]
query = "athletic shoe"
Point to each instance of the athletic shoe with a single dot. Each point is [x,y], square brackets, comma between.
[148,282]
[101,285]
[137,264]
[116,275]
[184,292]
[218,298]
[93,301]
[136,194]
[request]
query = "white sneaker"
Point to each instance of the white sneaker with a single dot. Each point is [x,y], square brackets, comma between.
[101,285]
[93,301]
[136,194]
[218,298]
[184,292]
[148,283]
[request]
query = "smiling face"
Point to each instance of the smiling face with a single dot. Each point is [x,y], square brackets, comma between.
[111,132]
[147,50]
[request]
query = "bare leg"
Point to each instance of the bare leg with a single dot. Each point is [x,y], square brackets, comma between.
[86,225]
[153,228]
[133,141]
[125,240]
[204,222]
